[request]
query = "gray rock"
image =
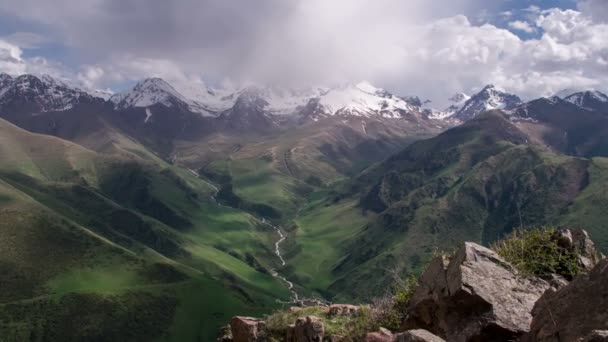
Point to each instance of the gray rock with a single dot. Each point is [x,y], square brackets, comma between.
[478,296]
[578,240]
[247,329]
[575,311]
[306,329]
[382,335]
[417,335]
[344,310]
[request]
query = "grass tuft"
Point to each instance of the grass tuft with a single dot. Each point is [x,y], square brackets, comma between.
[536,252]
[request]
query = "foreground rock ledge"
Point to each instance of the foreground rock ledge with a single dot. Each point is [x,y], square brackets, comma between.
[576,312]
[476,296]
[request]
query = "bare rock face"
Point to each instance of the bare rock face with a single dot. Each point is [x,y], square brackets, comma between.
[578,311]
[382,335]
[417,335]
[477,296]
[247,329]
[307,329]
[344,310]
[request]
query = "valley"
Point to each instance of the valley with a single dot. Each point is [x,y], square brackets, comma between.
[169,216]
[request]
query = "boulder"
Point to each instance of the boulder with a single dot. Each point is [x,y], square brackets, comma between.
[382,335]
[417,335]
[575,312]
[247,329]
[477,296]
[343,310]
[306,329]
[578,240]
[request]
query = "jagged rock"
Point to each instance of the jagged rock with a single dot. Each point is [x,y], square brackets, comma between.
[573,312]
[225,334]
[597,336]
[417,335]
[476,297]
[306,329]
[578,240]
[343,310]
[247,329]
[382,335]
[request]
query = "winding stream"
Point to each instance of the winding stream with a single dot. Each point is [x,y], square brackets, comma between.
[277,251]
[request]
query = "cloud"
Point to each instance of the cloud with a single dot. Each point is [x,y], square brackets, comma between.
[10,59]
[273,41]
[432,49]
[26,40]
[522,26]
[597,9]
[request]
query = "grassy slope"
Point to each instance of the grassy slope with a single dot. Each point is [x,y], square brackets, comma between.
[219,271]
[463,185]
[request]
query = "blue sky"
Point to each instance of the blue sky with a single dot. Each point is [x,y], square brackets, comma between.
[429,48]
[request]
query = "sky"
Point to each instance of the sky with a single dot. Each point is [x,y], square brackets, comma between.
[429,48]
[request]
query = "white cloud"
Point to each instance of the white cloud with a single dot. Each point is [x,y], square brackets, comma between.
[413,47]
[522,26]
[597,9]
[10,59]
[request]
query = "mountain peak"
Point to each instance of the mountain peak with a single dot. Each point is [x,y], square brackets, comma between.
[45,93]
[149,92]
[591,99]
[490,97]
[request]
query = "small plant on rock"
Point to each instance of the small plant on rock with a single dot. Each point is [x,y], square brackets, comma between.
[537,252]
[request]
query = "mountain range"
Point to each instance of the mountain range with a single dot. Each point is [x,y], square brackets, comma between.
[156,212]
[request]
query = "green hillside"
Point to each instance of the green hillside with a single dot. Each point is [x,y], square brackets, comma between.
[475,182]
[99,246]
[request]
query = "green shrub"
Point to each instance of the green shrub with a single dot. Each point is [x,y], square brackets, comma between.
[537,252]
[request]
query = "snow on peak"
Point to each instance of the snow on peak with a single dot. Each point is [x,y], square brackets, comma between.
[46,92]
[459,98]
[490,97]
[363,99]
[589,99]
[147,93]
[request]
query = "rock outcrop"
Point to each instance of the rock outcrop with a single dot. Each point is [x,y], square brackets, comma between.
[477,296]
[343,310]
[382,335]
[247,329]
[578,241]
[306,329]
[578,311]
[417,335]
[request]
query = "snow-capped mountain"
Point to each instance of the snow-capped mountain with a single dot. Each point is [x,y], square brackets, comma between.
[363,99]
[41,94]
[152,91]
[593,100]
[360,99]
[490,97]
[457,102]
